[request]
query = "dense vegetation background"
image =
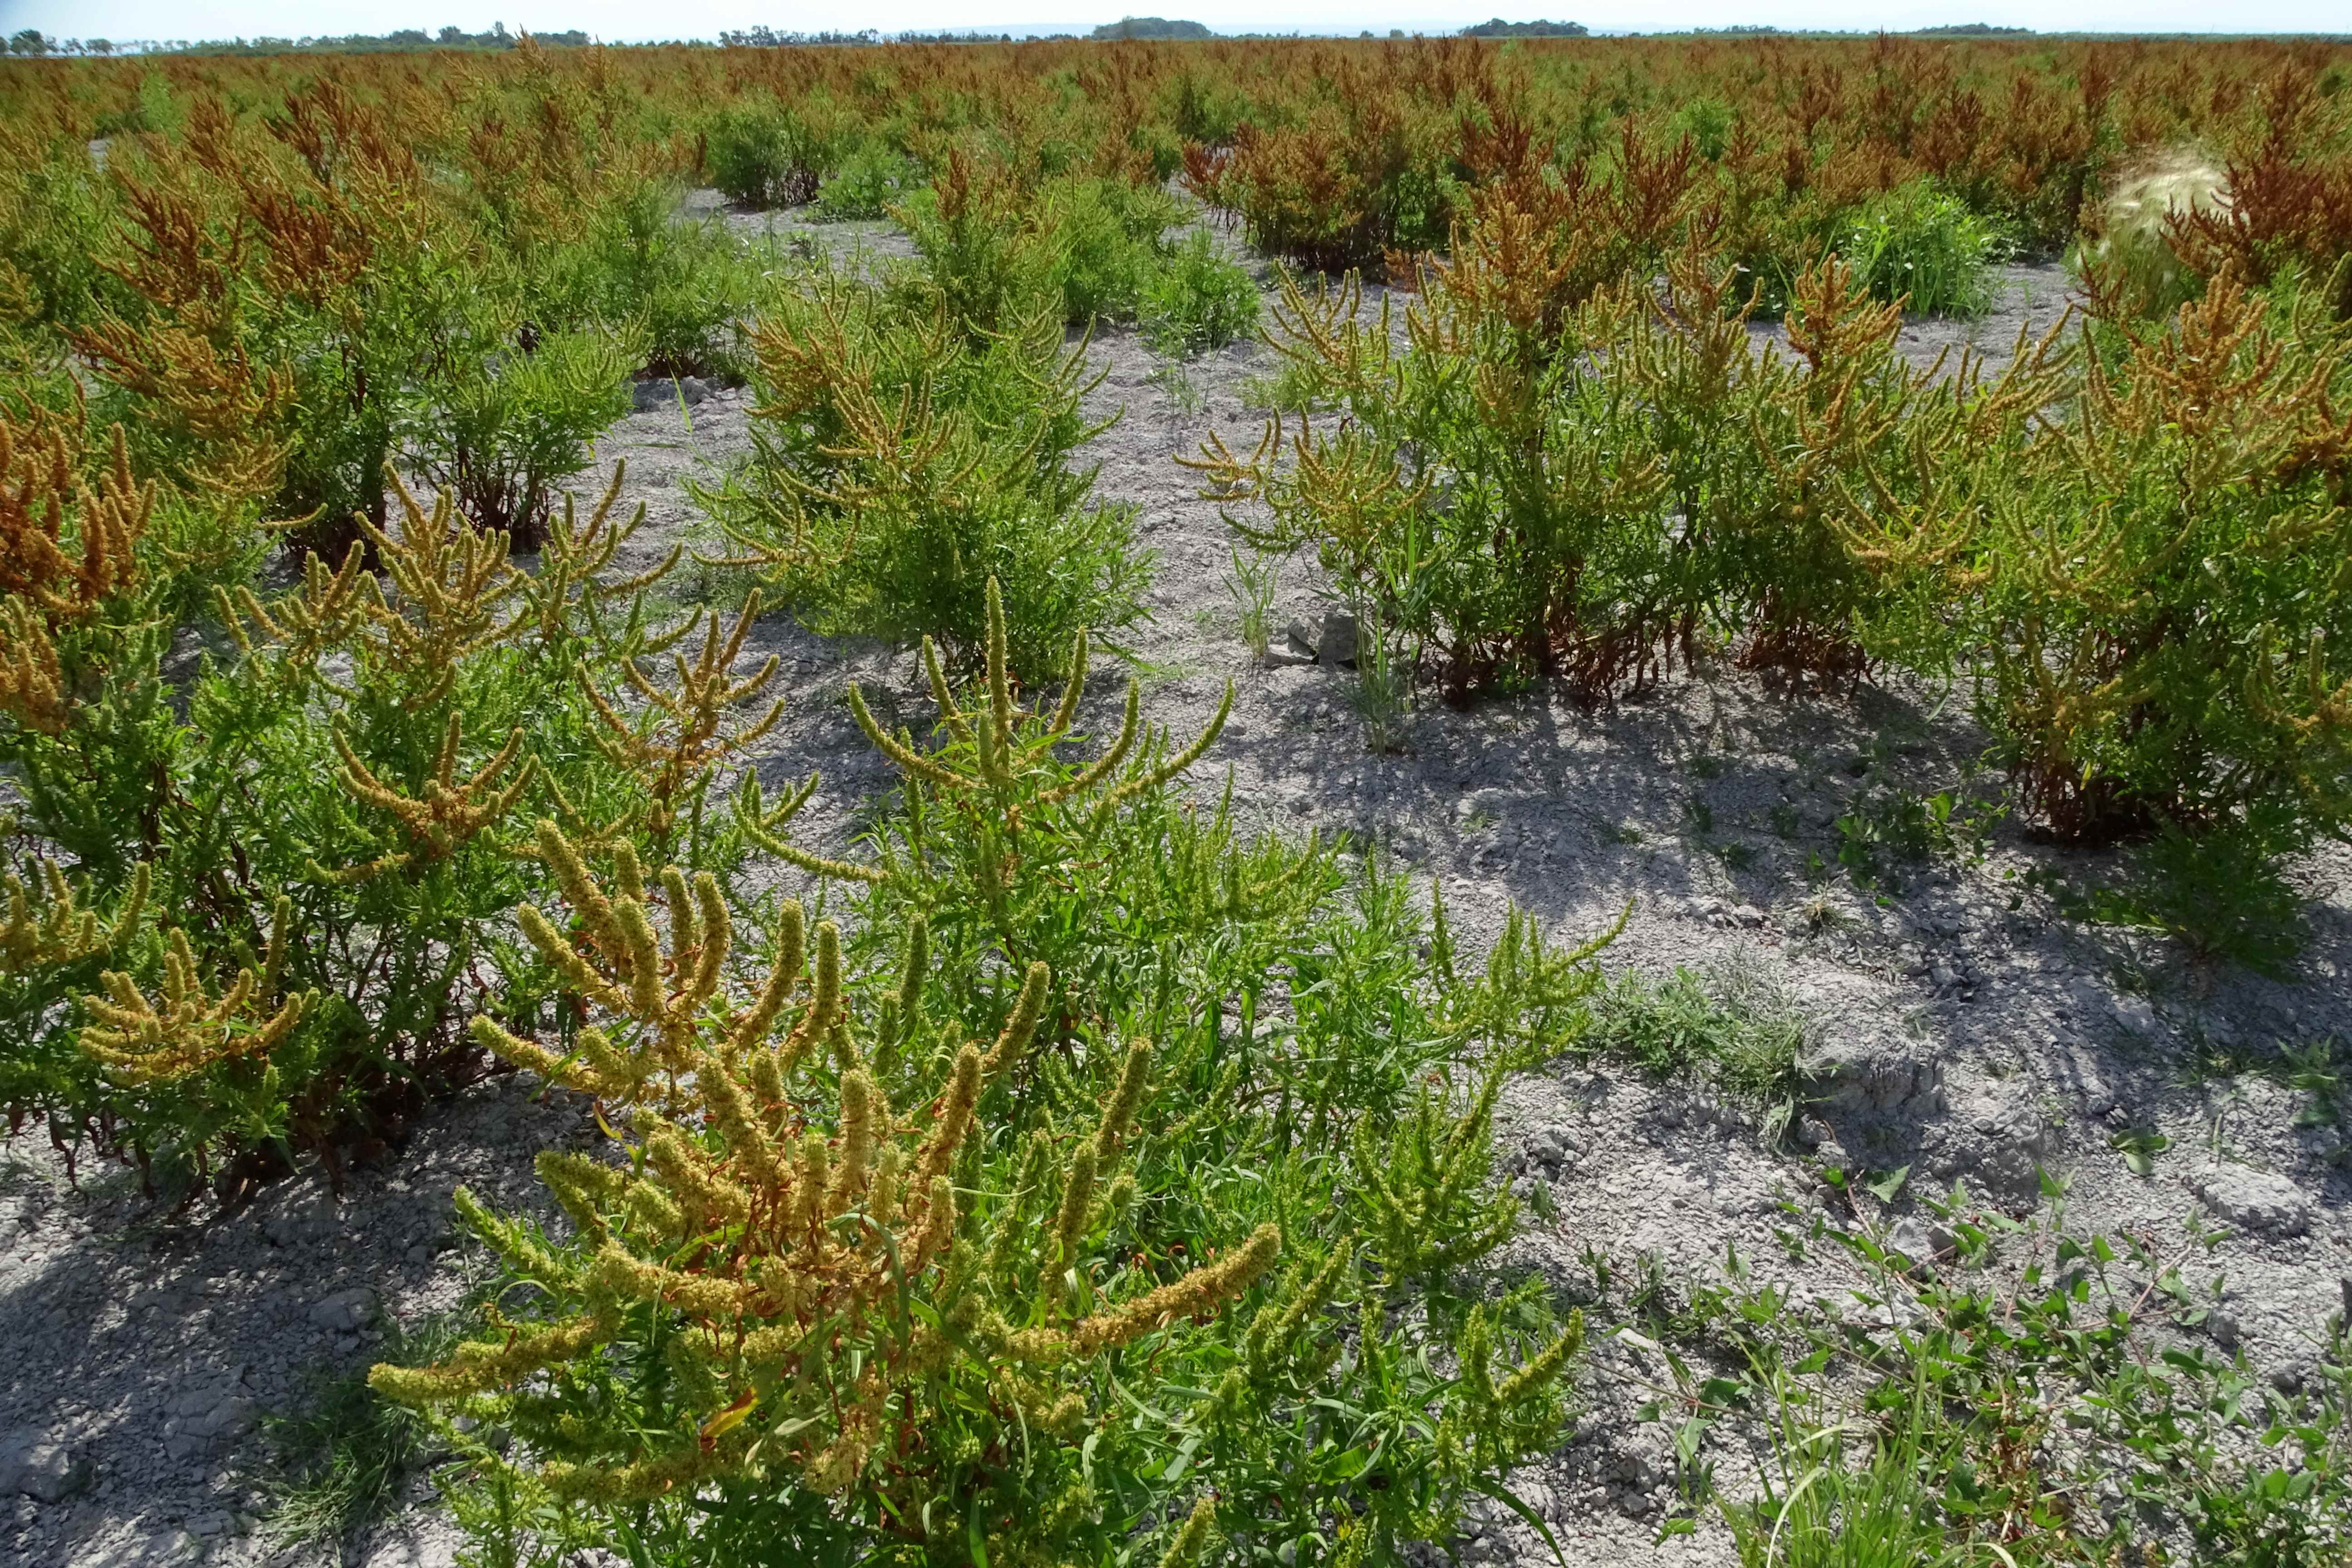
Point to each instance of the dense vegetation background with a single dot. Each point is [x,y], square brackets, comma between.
[348,763]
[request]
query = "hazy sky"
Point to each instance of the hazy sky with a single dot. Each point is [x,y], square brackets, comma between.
[631,20]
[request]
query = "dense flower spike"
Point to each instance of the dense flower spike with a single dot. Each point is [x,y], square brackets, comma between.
[193,1028]
[48,925]
[999,753]
[450,811]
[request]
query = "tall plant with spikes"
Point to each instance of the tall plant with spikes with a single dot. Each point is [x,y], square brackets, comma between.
[774,1285]
[898,462]
[998,828]
[2166,607]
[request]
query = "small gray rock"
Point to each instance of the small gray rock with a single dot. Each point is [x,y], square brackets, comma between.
[1283,653]
[1914,1239]
[1338,644]
[41,1467]
[345,1311]
[1294,638]
[2016,1145]
[2253,1199]
[1552,1147]
[1874,1080]
[2290,1376]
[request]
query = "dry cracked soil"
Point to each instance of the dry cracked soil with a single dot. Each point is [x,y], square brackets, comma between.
[1955,1027]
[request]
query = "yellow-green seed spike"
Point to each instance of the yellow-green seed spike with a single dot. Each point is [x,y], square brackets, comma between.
[999,678]
[1018,1028]
[646,995]
[954,1119]
[1077,1202]
[626,872]
[1192,1537]
[825,1003]
[1118,1111]
[716,933]
[135,903]
[281,930]
[908,759]
[791,940]
[810,1193]
[684,936]
[782,976]
[859,1103]
[580,890]
[1101,768]
[912,973]
[942,693]
[1067,713]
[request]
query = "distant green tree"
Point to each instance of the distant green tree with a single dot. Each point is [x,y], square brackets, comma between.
[1151,28]
[1498,28]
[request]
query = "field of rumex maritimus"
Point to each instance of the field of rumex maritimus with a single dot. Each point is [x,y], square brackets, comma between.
[1301,802]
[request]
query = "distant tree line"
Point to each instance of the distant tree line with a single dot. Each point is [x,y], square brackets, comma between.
[766,38]
[1150,27]
[1498,28]
[31,43]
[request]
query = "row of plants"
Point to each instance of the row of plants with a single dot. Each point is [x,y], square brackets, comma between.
[895,1246]
[460,284]
[1336,154]
[1077,1180]
[2127,542]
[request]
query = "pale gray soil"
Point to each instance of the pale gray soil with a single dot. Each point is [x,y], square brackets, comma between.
[1960,1027]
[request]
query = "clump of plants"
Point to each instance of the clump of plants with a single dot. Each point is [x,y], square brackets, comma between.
[2048,1398]
[1731,1025]
[256,960]
[765,153]
[1198,300]
[899,462]
[889,1255]
[2165,626]
[1924,249]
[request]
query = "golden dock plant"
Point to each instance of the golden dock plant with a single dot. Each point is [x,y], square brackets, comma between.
[1002,834]
[193,1028]
[673,742]
[779,1249]
[48,925]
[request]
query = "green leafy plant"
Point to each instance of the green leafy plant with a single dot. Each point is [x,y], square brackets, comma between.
[2123,520]
[898,465]
[772,154]
[1731,1025]
[1927,249]
[1253,582]
[998,1271]
[1197,299]
[2048,1369]
[498,435]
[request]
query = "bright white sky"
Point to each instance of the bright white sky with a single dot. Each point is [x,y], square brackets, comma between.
[635,20]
